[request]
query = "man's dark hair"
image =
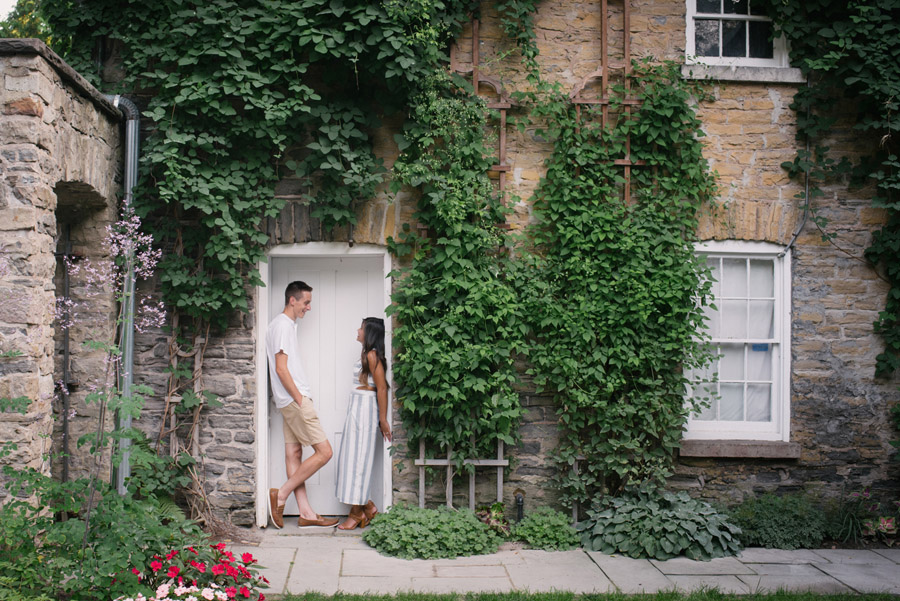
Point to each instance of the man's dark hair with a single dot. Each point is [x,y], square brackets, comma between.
[295,289]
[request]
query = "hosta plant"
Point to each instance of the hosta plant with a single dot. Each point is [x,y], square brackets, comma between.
[650,523]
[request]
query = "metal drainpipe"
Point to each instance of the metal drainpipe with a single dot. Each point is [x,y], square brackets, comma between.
[126,376]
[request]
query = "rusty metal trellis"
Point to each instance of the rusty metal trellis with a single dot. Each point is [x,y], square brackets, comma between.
[607,67]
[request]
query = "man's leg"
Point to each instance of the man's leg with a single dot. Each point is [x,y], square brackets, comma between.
[321,455]
[293,458]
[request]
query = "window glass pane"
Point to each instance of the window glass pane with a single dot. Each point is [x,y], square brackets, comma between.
[759,362]
[734,38]
[706,392]
[762,278]
[731,404]
[731,362]
[712,321]
[735,7]
[734,278]
[709,6]
[714,271]
[759,405]
[706,37]
[734,319]
[759,8]
[760,40]
[762,322]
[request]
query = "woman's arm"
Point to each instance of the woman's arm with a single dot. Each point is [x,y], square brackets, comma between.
[381,393]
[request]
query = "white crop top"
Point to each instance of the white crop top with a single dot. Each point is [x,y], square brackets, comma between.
[357,370]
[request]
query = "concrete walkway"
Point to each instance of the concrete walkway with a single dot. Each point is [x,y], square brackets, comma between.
[328,561]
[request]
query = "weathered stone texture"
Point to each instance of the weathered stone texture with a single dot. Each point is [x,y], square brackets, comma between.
[56,137]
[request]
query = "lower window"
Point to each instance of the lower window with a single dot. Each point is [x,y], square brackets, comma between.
[749,324]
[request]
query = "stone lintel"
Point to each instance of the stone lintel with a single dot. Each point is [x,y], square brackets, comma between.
[741,449]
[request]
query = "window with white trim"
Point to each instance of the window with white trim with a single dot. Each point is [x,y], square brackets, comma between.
[733,33]
[749,326]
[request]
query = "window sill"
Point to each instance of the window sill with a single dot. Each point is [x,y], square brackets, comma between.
[741,449]
[745,74]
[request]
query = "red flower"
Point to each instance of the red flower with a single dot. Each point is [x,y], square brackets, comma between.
[192,550]
[261,597]
[171,554]
[155,566]
[173,571]
[220,546]
[231,592]
[247,558]
[218,569]
[227,557]
[201,567]
[245,592]
[231,572]
[135,571]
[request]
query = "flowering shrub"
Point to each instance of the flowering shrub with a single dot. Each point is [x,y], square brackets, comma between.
[211,573]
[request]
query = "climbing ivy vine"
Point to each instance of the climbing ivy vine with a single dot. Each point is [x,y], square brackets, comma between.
[849,51]
[616,289]
[460,321]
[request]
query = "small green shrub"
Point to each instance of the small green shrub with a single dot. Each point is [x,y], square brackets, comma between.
[785,522]
[547,529]
[647,522]
[411,532]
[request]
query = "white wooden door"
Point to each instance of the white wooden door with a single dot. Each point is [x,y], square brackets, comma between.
[345,290]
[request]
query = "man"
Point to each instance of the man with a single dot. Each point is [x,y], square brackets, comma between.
[291,392]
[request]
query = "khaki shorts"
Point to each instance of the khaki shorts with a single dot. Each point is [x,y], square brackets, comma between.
[301,424]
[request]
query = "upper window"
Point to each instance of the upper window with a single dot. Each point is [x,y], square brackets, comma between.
[732,32]
[750,333]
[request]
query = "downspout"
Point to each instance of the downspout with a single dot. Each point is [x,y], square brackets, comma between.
[126,375]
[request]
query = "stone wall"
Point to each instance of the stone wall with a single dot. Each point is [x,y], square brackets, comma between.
[59,156]
[839,412]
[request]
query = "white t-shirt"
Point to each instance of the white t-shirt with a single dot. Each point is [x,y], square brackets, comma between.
[282,336]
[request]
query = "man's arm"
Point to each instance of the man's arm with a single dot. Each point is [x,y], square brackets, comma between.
[284,375]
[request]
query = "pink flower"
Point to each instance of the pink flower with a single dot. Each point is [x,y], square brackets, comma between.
[247,558]
[231,592]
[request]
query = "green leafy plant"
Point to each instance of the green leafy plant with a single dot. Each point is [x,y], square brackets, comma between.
[647,522]
[848,51]
[618,368]
[547,529]
[494,516]
[459,320]
[780,522]
[410,532]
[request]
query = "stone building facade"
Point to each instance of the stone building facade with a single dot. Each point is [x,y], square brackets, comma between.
[834,433]
[59,164]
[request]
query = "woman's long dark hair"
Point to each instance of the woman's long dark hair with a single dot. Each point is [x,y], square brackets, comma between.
[373,340]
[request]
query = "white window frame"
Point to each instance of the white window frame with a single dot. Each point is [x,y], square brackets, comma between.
[780,58]
[778,429]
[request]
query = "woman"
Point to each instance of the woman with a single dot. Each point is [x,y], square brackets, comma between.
[366,415]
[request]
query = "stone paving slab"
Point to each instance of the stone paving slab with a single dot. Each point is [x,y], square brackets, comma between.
[460,585]
[761,555]
[470,571]
[852,556]
[368,562]
[317,566]
[545,571]
[376,585]
[689,567]
[791,577]
[631,576]
[727,584]
[892,554]
[865,578]
[276,560]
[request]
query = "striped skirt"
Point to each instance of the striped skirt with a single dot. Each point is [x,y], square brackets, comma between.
[357,452]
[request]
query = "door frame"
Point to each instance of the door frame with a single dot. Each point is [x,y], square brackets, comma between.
[328,250]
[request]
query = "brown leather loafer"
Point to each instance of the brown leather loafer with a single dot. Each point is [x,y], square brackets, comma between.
[319,521]
[277,511]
